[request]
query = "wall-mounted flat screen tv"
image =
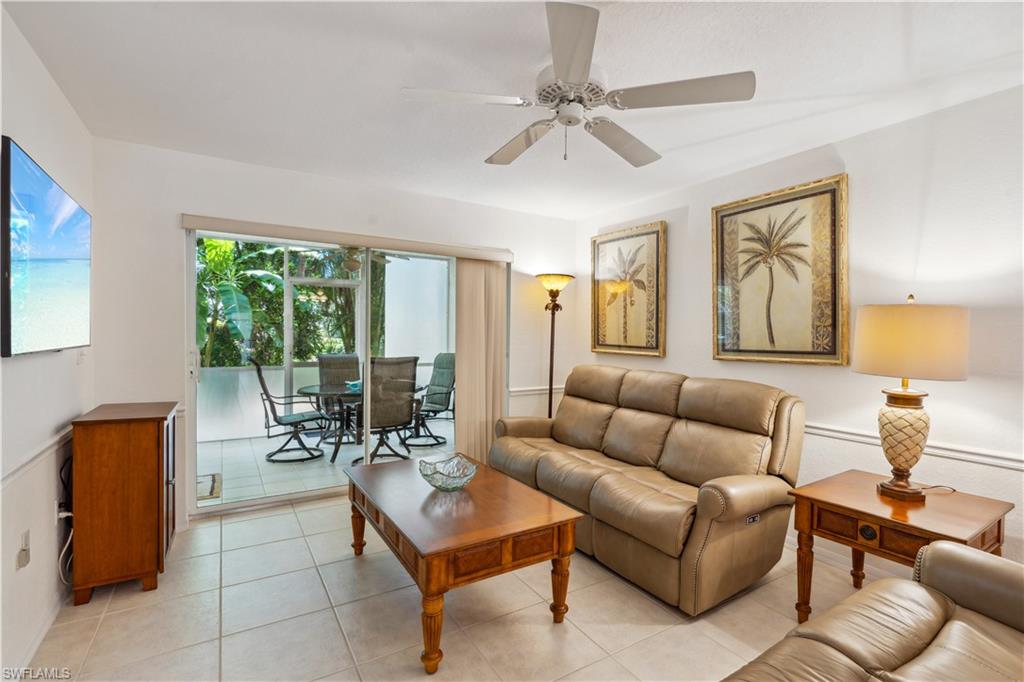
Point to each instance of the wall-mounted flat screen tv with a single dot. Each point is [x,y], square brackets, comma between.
[45,243]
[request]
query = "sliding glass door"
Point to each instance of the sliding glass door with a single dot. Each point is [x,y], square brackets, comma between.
[413,377]
[285,397]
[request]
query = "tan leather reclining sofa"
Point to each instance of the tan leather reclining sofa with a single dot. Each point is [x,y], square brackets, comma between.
[961,618]
[683,481]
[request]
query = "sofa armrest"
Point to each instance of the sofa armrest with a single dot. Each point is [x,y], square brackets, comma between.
[524,427]
[975,580]
[729,498]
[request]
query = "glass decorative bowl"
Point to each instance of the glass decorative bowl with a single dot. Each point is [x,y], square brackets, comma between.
[448,475]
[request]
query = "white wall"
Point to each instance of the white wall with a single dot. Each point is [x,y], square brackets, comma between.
[41,392]
[140,252]
[934,209]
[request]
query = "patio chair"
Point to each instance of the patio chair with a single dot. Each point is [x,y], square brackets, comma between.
[294,424]
[393,403]
[336,369]
[436,400]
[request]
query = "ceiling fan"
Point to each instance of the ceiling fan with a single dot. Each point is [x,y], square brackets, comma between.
[572,87]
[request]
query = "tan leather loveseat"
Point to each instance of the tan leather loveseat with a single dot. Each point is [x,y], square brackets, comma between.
[961,618]
[683,481]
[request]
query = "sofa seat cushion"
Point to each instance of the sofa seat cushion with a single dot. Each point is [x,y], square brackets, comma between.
[570,474]
[648,505]
[518,457]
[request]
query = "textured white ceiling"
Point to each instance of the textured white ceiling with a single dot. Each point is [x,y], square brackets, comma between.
[315,86]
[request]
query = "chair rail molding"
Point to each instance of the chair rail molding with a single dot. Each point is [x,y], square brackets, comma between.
[54,443]
[532,390]
[962,453]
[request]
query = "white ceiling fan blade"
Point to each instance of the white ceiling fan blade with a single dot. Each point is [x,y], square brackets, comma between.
[426,95]
[621,142]
[728,87]
[572,29]
[521,142]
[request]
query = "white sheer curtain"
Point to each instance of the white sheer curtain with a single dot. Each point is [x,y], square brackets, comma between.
[481,319]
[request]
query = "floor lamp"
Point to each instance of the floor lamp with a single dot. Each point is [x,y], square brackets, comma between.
[554,284]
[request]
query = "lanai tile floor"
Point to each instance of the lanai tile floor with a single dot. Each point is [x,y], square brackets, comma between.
[247,475]
[276,594]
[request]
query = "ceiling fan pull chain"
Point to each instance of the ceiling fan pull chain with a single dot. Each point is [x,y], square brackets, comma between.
[565,148]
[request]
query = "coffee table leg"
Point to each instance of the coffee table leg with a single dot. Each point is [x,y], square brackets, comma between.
[358,526]
[433,620]
[559,587]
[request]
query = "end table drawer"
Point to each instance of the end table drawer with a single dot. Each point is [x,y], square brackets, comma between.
[836,523]
[901,543]
[869,535]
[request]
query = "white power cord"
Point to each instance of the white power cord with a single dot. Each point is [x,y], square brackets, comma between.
[64,571]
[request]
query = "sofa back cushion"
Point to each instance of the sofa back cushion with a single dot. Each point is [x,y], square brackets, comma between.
[651,391]
[636,436]
[696,452]
[581,423]
[599,383]
[741,405]
[591,396]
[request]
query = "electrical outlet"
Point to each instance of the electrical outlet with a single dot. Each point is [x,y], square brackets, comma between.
[25,553]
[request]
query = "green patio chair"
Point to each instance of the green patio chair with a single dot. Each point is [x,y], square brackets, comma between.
[436,400]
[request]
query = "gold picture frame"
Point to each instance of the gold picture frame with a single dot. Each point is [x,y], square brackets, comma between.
[779,276]
[627,291]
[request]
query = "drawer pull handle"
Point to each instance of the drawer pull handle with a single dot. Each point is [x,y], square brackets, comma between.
[868,533]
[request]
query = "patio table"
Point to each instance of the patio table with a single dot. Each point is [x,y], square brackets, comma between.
[348,420]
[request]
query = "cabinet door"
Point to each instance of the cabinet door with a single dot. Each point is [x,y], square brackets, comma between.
[170,483]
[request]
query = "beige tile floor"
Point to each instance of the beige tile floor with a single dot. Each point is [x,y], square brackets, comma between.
[276,594]
[247,475]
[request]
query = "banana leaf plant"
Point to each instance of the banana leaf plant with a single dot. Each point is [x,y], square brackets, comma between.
[221,300]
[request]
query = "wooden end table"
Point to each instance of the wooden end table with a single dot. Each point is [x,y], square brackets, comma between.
[445,540]
[846,508]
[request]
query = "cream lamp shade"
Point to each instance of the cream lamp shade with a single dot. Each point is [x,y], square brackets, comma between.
[554,282]
[912,341]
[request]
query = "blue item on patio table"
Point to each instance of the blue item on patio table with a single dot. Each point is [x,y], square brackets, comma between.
[355,385]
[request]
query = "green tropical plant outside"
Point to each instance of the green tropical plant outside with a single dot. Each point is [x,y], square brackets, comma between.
[625,278]
[240,303]
[771,248]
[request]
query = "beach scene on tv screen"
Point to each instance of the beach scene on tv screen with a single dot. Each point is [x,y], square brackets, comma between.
[49,262]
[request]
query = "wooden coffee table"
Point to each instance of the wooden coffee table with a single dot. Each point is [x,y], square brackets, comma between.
[447,540]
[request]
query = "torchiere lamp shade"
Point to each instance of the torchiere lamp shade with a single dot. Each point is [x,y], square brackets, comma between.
[912,340]
[555,282]
[909,341]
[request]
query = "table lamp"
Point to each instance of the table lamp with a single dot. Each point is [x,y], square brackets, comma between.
[554,283]
[910,341]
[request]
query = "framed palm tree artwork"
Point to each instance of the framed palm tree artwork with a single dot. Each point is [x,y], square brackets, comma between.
[627,311]
[779,270]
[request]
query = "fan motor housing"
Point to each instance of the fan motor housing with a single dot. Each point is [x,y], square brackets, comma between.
[552,92]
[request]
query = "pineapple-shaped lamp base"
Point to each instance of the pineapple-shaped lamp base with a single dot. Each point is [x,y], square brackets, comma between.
[903,426]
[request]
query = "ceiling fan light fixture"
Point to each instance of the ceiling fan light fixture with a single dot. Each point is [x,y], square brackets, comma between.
[572,86]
